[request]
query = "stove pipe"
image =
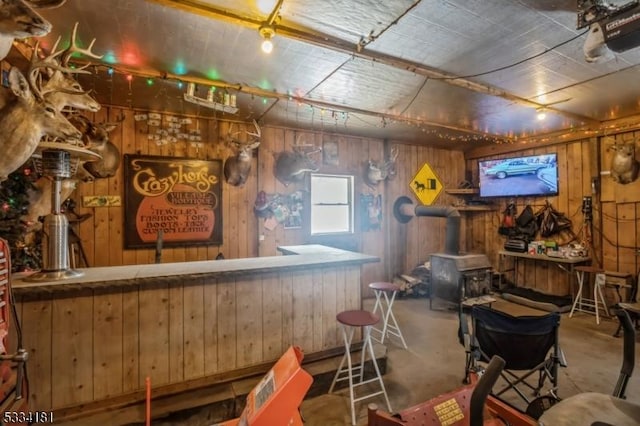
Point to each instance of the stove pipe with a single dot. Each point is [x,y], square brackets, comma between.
[452,229]
[404,211]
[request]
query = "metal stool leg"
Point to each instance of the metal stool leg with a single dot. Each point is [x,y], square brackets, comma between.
[598,297]
[393,328]
[578,299]
[379,305]
[367,331]
[351,374]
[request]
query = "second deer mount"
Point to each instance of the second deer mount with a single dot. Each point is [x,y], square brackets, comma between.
[292,166]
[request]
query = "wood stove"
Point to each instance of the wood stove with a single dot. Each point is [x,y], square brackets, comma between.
[455,277]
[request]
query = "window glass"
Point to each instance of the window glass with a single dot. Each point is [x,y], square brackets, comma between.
[332,204]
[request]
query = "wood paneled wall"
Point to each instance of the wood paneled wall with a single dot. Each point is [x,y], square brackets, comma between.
[401,247]
[616,212]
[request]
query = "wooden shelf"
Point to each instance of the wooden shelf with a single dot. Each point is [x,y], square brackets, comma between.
[466,191]
[467,194]
[478,208]
[210,104]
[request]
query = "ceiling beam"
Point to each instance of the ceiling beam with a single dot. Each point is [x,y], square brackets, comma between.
[356,50]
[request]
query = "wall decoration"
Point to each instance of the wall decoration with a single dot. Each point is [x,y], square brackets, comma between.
[285,209]
[169,130]
[370,212]
[330,153]
[377,171]
[426,185]
[179,196]
[624,166]
[101,201]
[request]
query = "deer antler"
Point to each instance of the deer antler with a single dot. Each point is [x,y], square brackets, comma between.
[73,48]
[50,62]
[393,154]
[257,134]
[253,140]
[35,66]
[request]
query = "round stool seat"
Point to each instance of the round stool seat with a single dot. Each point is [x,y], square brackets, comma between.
[590,269]
[357,318]
[384,286]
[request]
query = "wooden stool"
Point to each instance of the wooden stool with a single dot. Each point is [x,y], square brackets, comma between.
[580,302]
[350,320]
[383,289]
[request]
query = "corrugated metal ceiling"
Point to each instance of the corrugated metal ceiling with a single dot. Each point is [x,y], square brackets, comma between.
[365,67]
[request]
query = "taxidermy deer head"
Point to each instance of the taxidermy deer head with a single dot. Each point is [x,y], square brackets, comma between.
[291,166]
[65,90]
[95,137]
[238,166]
[377,172]
[55,76]
[624,166]
[19,20]
[25,120]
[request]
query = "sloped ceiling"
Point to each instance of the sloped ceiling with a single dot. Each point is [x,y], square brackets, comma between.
[448,73]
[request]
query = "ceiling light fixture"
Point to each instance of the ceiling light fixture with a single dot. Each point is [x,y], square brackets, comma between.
[267,30]
[542,114]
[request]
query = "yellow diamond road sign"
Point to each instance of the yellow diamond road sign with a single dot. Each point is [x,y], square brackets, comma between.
[426,185]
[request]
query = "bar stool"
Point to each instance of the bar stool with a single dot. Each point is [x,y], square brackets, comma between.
[382,290]
[580,302]
[350,320]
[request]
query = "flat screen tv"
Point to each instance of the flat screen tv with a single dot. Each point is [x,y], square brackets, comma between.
[530,176]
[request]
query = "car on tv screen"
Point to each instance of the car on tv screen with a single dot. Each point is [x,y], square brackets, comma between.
[513,168]
[533,175]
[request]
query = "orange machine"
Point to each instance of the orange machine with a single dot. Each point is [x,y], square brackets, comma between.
[275,400]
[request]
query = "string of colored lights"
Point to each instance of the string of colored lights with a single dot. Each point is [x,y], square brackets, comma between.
[426,127]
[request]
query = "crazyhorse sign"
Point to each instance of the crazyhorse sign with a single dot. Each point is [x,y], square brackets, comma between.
[178,197]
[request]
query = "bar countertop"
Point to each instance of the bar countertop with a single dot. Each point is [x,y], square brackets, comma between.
[307,256]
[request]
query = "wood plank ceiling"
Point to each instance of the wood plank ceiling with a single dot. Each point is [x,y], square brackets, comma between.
[425,71]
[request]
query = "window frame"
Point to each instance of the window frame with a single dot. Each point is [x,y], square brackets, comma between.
[351,197]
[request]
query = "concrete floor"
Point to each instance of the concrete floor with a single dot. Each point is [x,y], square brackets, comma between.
[434,362]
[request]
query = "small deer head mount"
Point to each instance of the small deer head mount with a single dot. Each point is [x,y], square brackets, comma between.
[238,166]
[95,137]
[291,166]
[379,171]
[624,166]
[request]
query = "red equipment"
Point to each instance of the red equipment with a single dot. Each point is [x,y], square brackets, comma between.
[469,405]
[13,389]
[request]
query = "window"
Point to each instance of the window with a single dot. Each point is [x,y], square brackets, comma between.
[331,204]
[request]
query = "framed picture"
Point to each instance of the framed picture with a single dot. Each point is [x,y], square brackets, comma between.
[177,199]
[330,152]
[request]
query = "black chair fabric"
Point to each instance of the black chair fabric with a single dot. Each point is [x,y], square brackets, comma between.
[528,344]
[523,342]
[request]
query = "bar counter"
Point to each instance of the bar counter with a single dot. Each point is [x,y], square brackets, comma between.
[93,340]
[307,256]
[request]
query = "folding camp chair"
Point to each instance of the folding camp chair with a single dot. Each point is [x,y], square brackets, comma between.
[528,344]
[629,354]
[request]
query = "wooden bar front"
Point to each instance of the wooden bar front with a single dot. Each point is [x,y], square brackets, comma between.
[96,338]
